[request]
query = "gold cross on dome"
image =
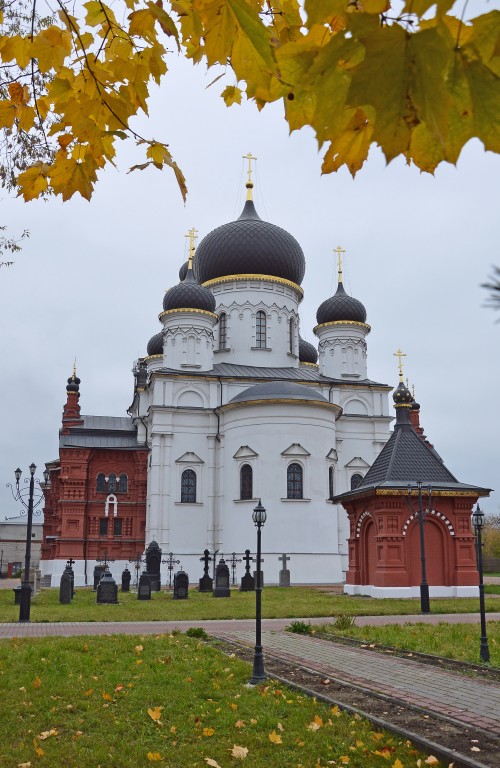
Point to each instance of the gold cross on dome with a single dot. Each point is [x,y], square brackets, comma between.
[192,234]
[400,355]
[249,157]
[74,368]
[339,251]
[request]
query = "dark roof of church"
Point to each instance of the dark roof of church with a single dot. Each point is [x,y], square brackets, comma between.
[249,246]
[102,432]
[279,389]
[305,374]
[407,459]
[341,307]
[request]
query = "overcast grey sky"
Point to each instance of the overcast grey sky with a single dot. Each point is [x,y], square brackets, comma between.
[90,281]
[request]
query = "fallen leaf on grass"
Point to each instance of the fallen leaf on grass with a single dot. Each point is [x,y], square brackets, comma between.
[153,756]
[24,765]
[233,706]
[155,714]
[239,724]
[275,738]
[45,734]
[211,763]
[39,751]
[397,764]
[316,724]
[345,759]
[118,688]
[280,727]
[239,752]
[138,648]
[37,682]
[89,692]
[208,731]
[107,697]
[431,760]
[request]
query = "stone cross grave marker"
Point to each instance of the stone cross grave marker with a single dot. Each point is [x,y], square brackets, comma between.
[284,580]
[248,581]
[206,582]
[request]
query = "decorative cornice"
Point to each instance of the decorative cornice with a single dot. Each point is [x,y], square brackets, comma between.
[404,492]
[281,401]
[313,365]
[343,322]
[265,278]
[151,357]
[187,309]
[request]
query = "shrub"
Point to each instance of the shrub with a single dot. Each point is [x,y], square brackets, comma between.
[196,632]
[300,627]
[344,621]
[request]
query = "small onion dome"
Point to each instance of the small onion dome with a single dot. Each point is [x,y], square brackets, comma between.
[341,307]
[415,406]
[155,344]
[402,395]
[307,352]
[183,271]
[73,384]
[189,294]
[249,246]
[278,390]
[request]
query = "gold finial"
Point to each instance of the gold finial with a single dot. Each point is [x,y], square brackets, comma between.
[74,368]
[400,355]
[192,234]
[407,383]
[413,391]
[249,184]
[339,251]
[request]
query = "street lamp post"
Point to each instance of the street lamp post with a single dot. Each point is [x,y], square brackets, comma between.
[424,587]
[259,517]
[478,522]
[20,495]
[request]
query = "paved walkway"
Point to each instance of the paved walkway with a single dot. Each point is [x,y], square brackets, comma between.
[474,702]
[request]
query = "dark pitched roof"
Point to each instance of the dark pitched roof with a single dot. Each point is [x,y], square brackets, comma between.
[102,432]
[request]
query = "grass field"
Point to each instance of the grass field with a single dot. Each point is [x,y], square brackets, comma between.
[276,603]
[132,702]
[454,641]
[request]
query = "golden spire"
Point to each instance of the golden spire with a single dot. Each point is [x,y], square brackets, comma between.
[400,355]
[192,234]
[74,368]
[249,184]
[339,251]
[413,391]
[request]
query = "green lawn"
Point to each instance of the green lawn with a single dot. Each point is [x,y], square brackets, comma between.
[455,641]
[132,702]
[276,603]
[492,589]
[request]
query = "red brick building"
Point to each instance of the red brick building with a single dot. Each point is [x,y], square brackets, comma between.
[383,511]
[95,503]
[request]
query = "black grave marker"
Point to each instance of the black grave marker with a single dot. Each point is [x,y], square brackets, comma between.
[107,589]
[153,565]
[65,588]
[221,588]
[126,576]
[206,582]
[248,581]
[144,589]
[98,571]
[181,585]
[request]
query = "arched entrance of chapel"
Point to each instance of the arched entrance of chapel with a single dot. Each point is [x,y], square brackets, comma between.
[436,560]
[369,551]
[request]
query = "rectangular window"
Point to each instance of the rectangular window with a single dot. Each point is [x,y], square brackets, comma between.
[260,330]
[103,526]
[117,526]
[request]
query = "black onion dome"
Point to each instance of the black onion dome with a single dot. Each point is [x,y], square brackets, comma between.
[307,352]
[402,395]
[73,384]
[341,307]
[189,294]
[249,246]
[155,344]
[183,271]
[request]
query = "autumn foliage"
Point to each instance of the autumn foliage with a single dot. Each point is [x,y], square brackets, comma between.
[416,79]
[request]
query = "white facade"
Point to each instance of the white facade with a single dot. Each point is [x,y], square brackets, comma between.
[333,427]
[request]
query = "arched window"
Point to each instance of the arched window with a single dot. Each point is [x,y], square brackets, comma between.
[291,333]
[188,486]
[355,481]
[112,483]
[294,482]
[222,330]
[260,330]
[246,478]
[101,483]
[331,472]
[122,484]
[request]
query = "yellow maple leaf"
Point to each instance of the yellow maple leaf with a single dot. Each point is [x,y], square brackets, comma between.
[89,692]
[138,648]
[233,705]
[239,724]
[154,756]
[397,764]
[208,731]
[155,713]
[275,738]
[7,113]
[238,752]
[46,734]
[39,751]
[37,682]
[345,759]
[335,711]
[107,697]
[51,46]
[232,95]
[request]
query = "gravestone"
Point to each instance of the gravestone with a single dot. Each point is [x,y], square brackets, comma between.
[126,576]
[107,589]
[181,585]
[261,576]
[34,580]
[144,588]
[17,595]
[153,565]
[65,588]
[98,571]
[284,576]
[206,583]
[221,588]
[71,573]
[247,581]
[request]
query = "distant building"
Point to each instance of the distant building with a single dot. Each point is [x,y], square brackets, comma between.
[13,543]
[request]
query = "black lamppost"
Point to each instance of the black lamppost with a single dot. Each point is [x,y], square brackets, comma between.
[478,523]
[259,517]
[20,494]
[424,587]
